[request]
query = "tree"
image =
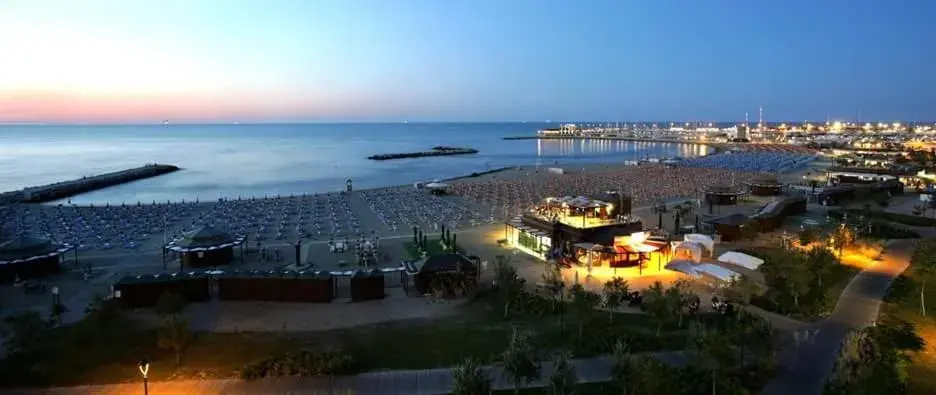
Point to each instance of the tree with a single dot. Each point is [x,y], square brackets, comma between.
[924,268]
[23,333]
[807,236]
[509,284]
[175,336]
[615,291]
[842,238]
[796,281]
[658,304]
[554,284]
[741,289]
[564,379]
[469,379]
[820,261]
[680,295]
[712,355]
[583,305]
[622,368]
[169,304]
[520,364]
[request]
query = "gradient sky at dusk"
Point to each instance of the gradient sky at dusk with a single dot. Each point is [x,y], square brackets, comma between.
[484,60]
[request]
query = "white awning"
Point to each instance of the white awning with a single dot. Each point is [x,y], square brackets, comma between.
[717,272]
[744,260]
[704,240]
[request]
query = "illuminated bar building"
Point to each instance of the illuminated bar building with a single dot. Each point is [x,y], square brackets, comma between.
[579,230]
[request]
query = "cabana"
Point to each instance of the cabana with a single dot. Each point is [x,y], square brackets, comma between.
[687,250]
[367,285]
[730,227]
[430,270]
[716,272]
[703,240]
[744,260]
[721,195]
[683,266]
[205,246]
[437,188]
[29,256]
[765,186]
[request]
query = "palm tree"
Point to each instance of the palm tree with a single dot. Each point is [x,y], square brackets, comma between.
[520,364]
[469,379]
[583,305]
[509,284]
[564,378]
[658,304]
[680,295]
[622,368]
[615,290]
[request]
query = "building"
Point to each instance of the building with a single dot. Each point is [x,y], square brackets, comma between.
[560,227]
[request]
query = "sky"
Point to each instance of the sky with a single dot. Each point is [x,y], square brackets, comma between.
[120,61]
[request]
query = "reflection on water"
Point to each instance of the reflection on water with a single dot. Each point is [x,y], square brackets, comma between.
[606,147]
[259,160]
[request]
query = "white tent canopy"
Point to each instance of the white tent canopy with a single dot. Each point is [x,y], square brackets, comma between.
[744,260]
[705,240]
[694,249]
[717,272]
[683,266]
[436,185]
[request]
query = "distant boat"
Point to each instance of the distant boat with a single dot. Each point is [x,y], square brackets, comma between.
[165,123]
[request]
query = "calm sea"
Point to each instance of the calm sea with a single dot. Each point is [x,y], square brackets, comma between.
[268,160]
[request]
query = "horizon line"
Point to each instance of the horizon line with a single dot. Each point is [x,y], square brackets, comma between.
[387,122]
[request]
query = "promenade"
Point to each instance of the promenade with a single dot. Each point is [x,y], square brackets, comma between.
[397,382]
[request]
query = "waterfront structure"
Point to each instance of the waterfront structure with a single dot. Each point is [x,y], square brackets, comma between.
[559,228]
[722,195]
[25,256]
[568,129]
[205,246]
[765,186]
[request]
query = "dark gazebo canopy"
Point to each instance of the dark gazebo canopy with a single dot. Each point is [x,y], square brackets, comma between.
[205,238]
[765,181]
[446,263]
[722,190]
[25,246]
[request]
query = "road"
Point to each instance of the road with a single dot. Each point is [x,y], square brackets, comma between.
[808,363]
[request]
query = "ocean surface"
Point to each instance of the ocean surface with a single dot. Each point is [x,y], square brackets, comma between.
[268,160]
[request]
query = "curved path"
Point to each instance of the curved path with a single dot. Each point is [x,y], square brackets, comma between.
[808,362]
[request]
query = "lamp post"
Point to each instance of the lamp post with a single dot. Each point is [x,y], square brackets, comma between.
[144,370]
[56,301]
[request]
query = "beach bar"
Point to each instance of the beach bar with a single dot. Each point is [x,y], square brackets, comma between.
[555,225]
[722,195]
[26,256]
[765,186]
[204,247]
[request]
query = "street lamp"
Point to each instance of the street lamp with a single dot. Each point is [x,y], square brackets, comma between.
[144,370]
[56,310]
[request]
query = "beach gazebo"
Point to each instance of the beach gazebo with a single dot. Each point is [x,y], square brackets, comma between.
[206,246]
[29,256]
[722,195]
[765,186]
[442,270]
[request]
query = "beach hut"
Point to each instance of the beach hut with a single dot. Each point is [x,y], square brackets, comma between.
[444,270]
[206,246]
[315,287]
[722,195]
[195,286]
[765,186]
[367,285]
[228,285]
[289,286]
[140,291]
[731,227]
[29,256]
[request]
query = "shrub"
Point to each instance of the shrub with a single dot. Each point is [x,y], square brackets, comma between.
[301,363]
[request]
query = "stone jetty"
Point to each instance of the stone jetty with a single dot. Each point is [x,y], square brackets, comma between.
[436,151]
[64,189]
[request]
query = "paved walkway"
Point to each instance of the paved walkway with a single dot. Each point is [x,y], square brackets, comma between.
[399,382]
[809,362]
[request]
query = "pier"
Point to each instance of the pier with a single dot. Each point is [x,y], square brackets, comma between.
[64,189]
[436,151]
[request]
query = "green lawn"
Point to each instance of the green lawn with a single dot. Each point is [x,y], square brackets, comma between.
[904,303]
[583,389]
[905,219]
[818,301]
[78,356]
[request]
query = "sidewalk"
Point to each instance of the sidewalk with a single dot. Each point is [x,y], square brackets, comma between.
[397,382]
